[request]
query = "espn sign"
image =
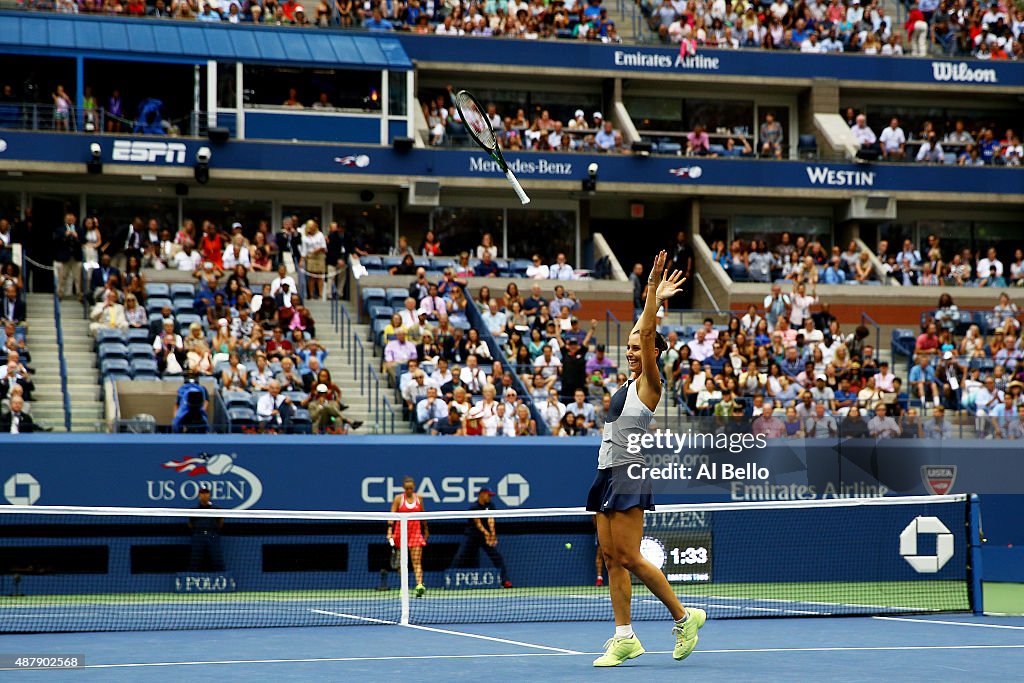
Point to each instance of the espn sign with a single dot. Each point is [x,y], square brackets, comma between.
[148,151]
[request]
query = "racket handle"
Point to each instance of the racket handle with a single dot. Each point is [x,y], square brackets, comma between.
[517,187]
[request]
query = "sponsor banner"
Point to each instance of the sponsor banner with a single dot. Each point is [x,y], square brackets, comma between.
[309,473]
[467,579]
[530,167]
[202,582]
[737,63]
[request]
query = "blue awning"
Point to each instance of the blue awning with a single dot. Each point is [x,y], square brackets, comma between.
[157,40]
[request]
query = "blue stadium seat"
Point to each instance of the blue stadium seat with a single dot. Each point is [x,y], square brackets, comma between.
[296,396]
[160,289]
[118,366]
[186,319]
[370,262]
[183,289]
[302,422]
[140,350]
[390,261]
[240,417]
[112,350]
[421,261]
[145,366]
[183,306]
[107,335]
[145,376]
[440,262]
[373,296]
[156,304]
[381,312]
[903,342]
[139,335]
[807,146]
[670,148]
[519,266]
[237,399]
[378,329]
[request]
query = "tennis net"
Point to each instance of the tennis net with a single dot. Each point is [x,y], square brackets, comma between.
[89,569]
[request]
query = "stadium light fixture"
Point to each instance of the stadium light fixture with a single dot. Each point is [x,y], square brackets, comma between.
[590,182]
[95,164]
[202,167]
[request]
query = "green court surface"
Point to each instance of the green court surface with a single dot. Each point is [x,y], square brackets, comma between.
[1004,598]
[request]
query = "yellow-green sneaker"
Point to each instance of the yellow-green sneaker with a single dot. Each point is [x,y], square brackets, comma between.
[618,650]
[686,633]
[420,590]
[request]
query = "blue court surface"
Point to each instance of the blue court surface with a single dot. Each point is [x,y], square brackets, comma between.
[912,648]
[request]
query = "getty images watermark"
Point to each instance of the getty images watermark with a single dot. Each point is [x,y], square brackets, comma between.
[663,442]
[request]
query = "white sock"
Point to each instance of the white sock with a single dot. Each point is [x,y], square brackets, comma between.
[624,631]
[686,615]
[935,400]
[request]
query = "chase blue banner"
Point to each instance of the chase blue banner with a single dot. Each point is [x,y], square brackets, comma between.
[152,155]
[744,63]
[365,473]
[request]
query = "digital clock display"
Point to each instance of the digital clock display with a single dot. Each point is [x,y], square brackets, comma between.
[684,556]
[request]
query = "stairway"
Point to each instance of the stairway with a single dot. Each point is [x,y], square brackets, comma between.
[360,405]
[48,403]
[83,376]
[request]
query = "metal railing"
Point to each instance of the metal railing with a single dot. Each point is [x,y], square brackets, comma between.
[389,414]
[868,321]
[60,353]
[609,320]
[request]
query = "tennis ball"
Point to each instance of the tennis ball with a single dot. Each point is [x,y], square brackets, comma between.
[568,546]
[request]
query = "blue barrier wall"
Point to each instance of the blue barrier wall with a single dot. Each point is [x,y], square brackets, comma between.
[749,63]
[530,167]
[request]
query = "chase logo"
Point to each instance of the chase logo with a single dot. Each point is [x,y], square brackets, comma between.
[149,151]
[513,489]
[22,489]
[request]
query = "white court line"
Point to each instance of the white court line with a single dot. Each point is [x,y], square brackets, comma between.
[129,665]
[449,632]
[950,623]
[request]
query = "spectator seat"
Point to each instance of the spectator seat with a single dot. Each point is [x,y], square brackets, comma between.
[139,335]
[140,350]
[155,304]
[159,289]
[183,289]
[807,147]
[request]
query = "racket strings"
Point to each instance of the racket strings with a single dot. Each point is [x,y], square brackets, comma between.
[476,121]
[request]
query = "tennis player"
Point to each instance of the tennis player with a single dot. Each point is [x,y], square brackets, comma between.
[410,501]
[620,501]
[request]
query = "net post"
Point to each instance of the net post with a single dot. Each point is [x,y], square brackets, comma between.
[974,529]
[403,524]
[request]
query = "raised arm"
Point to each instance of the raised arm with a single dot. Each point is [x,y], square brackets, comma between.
[659,290]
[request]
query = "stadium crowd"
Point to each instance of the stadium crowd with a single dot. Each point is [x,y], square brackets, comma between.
[539,132]
[950,27]
[954,145]
[258,343]
[566,19]
[797,259]
[16,383]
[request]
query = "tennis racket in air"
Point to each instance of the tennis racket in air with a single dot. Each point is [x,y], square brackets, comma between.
[479,128]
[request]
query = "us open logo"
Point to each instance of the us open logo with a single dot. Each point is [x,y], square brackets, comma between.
[938,479]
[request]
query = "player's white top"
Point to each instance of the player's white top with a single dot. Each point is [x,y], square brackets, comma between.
[627,415]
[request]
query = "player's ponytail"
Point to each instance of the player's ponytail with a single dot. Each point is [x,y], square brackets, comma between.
[660,343]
